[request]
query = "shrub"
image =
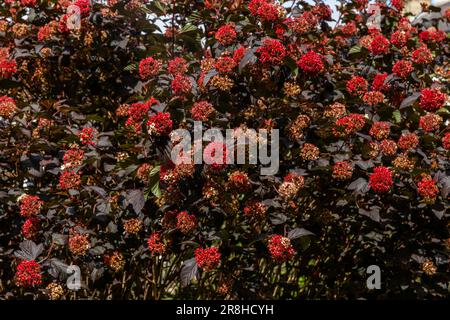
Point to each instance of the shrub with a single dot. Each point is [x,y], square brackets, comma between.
[86,119]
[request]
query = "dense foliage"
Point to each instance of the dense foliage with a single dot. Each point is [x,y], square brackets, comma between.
[86,115]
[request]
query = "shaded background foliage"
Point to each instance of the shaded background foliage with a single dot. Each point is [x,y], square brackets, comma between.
[82,78]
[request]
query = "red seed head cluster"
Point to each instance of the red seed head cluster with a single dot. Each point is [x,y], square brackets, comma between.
[432,35]
[408,141]
[225,64]
[422,55]
[342,170]
[373,98]
[380,130]
[7,107]
[378,83]
[8,67]
[272,51]
[28,274]
[84,5]
[399,38]
[30,228]
[403,68]
[432,99]
[207,258]
[186,222]
[446,141]
[73,158]
[239,181]
[357,86]
[379,45]
[202,111]
[309,152]
[430,122]
[28,3]
[255,209]
[181,84]
[156,244]
[159,124]
[177,65]
[88,136]
[226,34]
[149,67]
[79,244]
[388,147]
[427,189]
[30,205]
[381,180]
[291,186]
[280,248]
[266,10]
[311,62]
[69,180]
[348,125]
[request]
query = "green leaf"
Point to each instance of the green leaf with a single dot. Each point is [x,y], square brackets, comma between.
[155,171]
[160,6]
[443,111]
[131,67]
[153,183]
[156,190]
[357,52]
[188,28]
[396,115]
[355,49]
